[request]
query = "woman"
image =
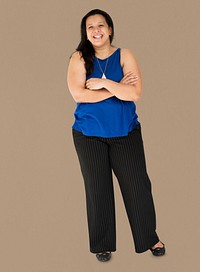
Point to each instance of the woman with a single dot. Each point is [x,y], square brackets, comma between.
[105,81]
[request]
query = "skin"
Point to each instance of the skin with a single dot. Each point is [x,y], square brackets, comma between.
[98,89]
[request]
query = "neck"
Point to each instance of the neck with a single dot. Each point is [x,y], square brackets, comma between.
[103,52]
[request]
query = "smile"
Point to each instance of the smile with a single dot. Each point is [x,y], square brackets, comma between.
[97,37]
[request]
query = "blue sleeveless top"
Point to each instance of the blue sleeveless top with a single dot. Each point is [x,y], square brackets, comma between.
[111,117]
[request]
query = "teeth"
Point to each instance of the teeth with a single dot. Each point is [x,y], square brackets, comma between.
[97,37]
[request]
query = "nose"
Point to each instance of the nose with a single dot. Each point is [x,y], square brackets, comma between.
[96,29]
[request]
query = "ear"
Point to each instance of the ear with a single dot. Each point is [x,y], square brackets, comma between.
[110,31]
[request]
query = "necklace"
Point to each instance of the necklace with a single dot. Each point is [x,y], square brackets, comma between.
[103,72]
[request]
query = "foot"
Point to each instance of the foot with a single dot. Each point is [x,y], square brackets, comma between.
[104,256]
[158,249]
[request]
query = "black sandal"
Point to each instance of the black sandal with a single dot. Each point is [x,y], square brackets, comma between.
[158,251]
[104,256]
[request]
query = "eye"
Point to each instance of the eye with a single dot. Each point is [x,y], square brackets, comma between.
[90,27]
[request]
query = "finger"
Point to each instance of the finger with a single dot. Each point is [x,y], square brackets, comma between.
[131,81]
[129,73]
[134,80]
[127,76]
[132,77]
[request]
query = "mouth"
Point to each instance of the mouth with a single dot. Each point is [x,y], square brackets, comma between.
[98,37]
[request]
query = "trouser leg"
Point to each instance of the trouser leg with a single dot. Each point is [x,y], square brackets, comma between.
[128,161]
[97,174]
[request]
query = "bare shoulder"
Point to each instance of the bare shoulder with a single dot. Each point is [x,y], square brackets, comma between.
[126,51]
[128,61]
[127,54]
[76,73]
[76,64]
[76,57]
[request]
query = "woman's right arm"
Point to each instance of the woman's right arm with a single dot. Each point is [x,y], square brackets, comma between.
[76,78]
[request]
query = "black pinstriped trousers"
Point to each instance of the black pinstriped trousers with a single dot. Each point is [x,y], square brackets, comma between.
[125,156]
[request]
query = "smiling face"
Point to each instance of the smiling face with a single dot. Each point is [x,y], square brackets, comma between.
[98,30]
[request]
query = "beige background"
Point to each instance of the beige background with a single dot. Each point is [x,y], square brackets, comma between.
[43,225]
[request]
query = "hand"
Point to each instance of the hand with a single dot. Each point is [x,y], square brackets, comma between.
[129,78]
[95,83]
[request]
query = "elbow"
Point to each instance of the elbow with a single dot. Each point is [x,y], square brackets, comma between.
[131,97]
[136,98]
[135,93]
[76,94]
[76,98]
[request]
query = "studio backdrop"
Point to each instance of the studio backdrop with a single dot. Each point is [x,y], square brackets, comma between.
[43,225]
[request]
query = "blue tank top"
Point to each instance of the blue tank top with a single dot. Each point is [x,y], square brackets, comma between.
[111,117]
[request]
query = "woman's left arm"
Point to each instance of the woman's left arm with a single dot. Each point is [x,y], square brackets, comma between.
[123,91]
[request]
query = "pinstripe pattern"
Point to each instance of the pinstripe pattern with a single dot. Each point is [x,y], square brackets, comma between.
[125,155]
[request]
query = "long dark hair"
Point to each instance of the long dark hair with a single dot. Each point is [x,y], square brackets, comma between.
[85,46]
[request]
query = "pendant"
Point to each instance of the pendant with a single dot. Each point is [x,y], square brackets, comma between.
[103,76]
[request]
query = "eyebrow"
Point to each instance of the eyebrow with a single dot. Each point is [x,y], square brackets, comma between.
[98,23]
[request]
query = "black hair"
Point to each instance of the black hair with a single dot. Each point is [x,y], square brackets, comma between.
[85,46]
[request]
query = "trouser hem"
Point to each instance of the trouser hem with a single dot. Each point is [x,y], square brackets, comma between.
[147,248]
[99,251]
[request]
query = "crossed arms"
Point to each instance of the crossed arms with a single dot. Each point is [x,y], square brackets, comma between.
[98,89]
